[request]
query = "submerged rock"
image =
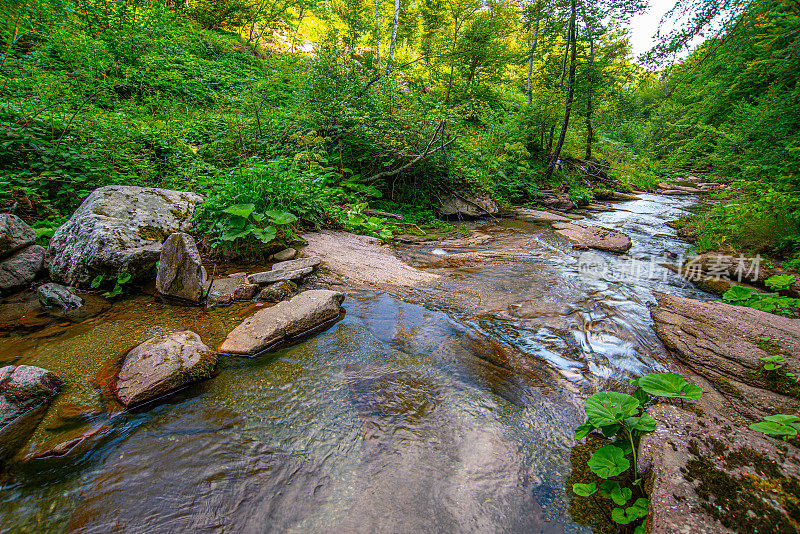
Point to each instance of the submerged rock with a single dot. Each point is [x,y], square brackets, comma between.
[180,269]
[594,237]
[467,205]
[55,295]
[14,234]
[163,364]
[287,319]
[245,291]
[21,268]
[278,291]
[118,229]
[25,393]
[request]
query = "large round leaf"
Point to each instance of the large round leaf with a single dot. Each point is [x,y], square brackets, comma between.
[608,461]
[668,385]
[624,516]
[609,407]
[584,490]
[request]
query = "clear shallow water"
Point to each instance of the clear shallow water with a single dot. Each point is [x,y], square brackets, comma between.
[448,409]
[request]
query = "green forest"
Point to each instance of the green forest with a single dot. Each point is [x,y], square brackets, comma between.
[324,109]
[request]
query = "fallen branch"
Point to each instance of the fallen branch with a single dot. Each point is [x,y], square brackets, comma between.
[425,153]
[377,213]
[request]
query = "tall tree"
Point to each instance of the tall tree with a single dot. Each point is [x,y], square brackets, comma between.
[572,39]
[394,32]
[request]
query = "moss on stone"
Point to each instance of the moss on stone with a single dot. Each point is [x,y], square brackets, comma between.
[736,502]
[152,232]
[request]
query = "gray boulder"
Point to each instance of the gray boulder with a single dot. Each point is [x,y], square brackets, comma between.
[269,277]
[14,234]
[287,319]
[162,365]
[285,254]
[118,229]
[561,202]
[55,295]
[180,269]
[25,394]
[467,205]
[21,268]
[293,265]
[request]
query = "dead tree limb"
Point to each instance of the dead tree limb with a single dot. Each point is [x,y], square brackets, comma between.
[424,154]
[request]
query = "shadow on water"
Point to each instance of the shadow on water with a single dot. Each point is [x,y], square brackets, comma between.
[449,410]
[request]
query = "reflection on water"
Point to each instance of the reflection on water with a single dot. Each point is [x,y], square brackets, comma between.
[448,409]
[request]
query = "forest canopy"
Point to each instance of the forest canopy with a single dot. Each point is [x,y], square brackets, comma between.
[324,109]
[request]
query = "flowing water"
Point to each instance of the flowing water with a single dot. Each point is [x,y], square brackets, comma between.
[439,410]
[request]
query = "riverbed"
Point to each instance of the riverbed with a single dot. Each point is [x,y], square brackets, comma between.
[443,408]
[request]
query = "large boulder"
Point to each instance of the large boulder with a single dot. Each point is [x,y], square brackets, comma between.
[25,394]
[467,205]
[55,295]
[21,268]
[161,365]
[285,320]
[559,201]
[180,269]
[118,229]
[594,237]
[14,234]
[708,472]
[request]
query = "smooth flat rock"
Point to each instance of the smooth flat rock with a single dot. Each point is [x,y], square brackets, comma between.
[14,234]
[55,295]
[25,393]
[180,268]
[286,319]
[163,364]
[269,277]
[594,237]
[711,473]
[362,259]
[529,215]
[300,263]
[118,229]
[21,268]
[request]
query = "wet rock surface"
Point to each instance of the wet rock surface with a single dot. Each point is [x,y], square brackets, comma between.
[180,269]
[594,237]
[268,327]
[14,234]
[276,275]
[25,392]
[55,295]
[161,365]
[710,473]
[21,268]
[118,229]
[527,214]
[277,292]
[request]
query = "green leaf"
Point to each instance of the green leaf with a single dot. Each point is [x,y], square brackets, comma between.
[668,385]
[737,293]
[783,418]
[123,278]
[608,461]
[777,358]
[233,236]
[624,516]
[240,210]
[773,429]
[779,282]
[643,423]
[96,281]
[584,430]
[609,407]
[584,490]
[610,489]
[280,217]
[265,235]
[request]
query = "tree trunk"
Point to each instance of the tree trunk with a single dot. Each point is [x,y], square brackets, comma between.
[589,90]
[456,27]
[394,31]
[530,59]
[548,174]
[377,36]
